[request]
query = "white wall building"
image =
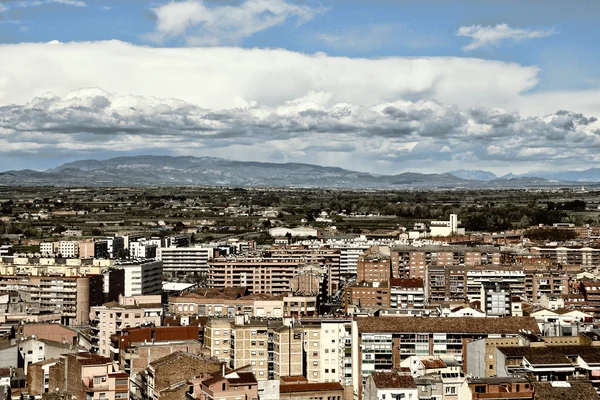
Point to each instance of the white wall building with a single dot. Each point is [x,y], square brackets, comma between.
[142,277]
[185,261]
[68,248]
[142,248]
[446,228]
[47,248]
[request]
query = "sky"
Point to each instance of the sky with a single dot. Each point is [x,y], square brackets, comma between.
[381,86]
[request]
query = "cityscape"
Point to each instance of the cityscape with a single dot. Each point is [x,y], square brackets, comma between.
[299,200]
[266,293]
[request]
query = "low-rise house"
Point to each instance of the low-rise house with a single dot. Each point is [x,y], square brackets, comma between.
[390,385]
[232,385]
[308,391]
[168,377]
[516,388]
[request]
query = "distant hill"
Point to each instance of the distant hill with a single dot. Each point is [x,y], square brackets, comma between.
[211,171]
[474,174]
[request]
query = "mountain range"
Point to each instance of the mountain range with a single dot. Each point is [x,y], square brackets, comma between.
[211,171]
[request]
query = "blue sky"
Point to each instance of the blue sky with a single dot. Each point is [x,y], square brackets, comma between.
[380,86]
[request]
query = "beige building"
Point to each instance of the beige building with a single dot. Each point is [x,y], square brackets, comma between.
[89,377]
[258,274]
[112,318]
[71,296]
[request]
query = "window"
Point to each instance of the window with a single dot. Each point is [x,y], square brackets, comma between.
[481,389]
[451,390]
[315,363]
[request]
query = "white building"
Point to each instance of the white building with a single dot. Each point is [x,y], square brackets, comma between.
[6,249]
[47,248]
[142,277]
[68,248]
[349,253]
[142,248]
[446,228]
[390,385]
[301,231]
[185,261]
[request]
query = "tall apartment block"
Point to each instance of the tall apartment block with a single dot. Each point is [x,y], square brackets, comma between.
[112,318]
[185,262]
[258,274]
[70,296]
[142,277]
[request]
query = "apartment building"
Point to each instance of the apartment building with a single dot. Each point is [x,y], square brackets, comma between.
[112,318]
[287,351]
[549,282]
[374,265]
[142,248]
[142,277]
[364,295]
[496,299]
[271,348]
[319,261]
[68,248]
[208,303]
[591,293]
[411,262]
[47,248]
[89,377]
[69,296]
[330,359]
[463,283]
[569,255]
[349,254]
[44,266]
[382,343]
[94,249]
[407,293]
[258,274]
[185,262]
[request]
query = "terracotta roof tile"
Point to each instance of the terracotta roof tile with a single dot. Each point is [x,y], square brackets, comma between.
[392,380]
[505,325]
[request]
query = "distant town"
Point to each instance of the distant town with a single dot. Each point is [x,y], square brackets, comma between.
[329,294]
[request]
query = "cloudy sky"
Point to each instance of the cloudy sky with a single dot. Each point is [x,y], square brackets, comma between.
[383,86]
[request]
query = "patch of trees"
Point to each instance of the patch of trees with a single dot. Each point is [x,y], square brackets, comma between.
[575,205]
[550,234]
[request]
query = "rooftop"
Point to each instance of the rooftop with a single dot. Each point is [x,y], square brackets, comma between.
[310,387]
[504,325]
[392,380]
[565,391]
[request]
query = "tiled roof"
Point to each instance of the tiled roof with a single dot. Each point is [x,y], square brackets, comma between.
[433,363]
[180,366]
[310,387]
[553,354]
[505,325]
[570,391]
[92,359]
[392,380]
[407,283]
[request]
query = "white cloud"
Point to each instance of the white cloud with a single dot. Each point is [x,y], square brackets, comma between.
[201,24]
[383,115]
[305,129]
[230,77]
[493,35]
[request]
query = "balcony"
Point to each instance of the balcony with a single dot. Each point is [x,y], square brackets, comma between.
[90,386]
